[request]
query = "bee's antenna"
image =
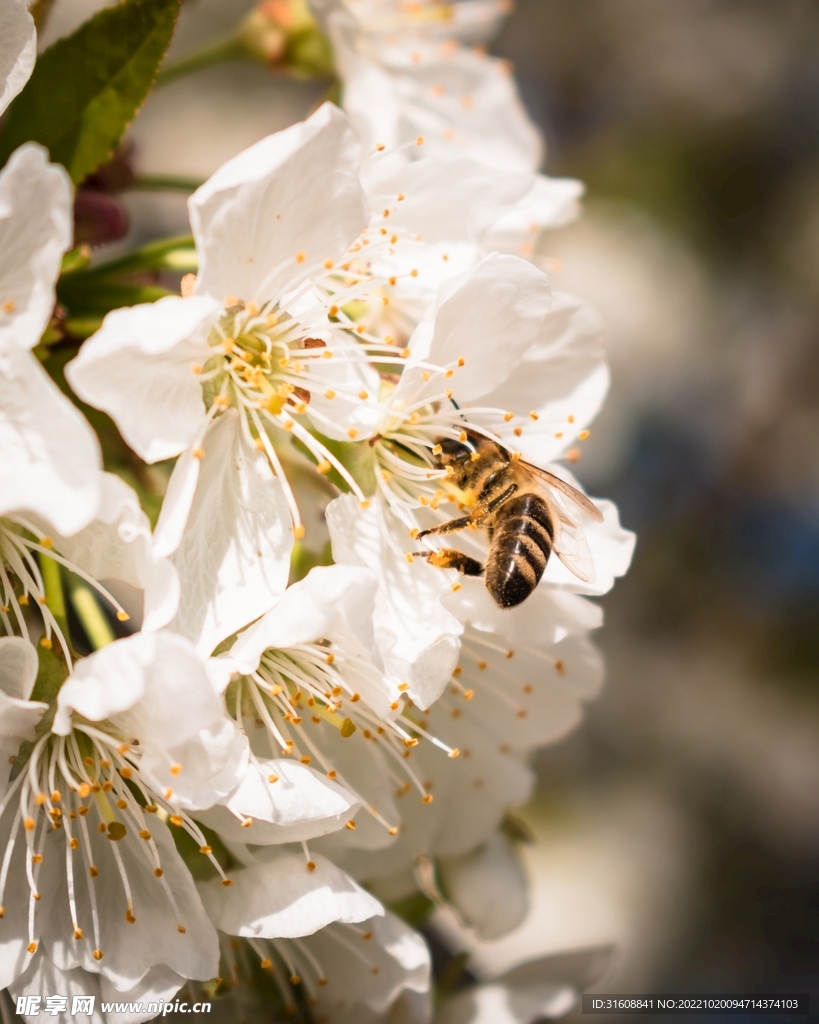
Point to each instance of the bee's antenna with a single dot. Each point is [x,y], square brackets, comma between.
[458,408]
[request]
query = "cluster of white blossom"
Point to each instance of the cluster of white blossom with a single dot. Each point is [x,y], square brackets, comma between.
[363,295]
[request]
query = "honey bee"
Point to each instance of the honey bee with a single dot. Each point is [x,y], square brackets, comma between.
[524,511]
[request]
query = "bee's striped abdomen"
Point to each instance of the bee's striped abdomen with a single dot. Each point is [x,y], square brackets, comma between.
[522,538]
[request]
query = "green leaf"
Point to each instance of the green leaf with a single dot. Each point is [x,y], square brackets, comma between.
[86,89]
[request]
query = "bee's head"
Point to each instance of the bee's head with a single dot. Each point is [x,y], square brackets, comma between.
[453,453]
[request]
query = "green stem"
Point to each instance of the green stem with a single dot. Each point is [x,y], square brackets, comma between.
[97,627]
[55,597]
[168,254]
[164,183]
[231,48]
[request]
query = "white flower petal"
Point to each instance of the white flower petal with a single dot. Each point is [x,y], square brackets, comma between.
[391,96]
[449,200]
[130,951]
[176,505]
[549,203]
[416,635]
[611,549]
[35,230]
[395,960]
[299,804]
[137,368]
[51,457]
[282,898]
[310,609]
[156,688]
[118,545]
[43,977]
[488,317]
[18,667]
[499,1004]
[19,50]
[279,209]
[488,887]
[563,378]
[160,984]
[234,557]
[545,617]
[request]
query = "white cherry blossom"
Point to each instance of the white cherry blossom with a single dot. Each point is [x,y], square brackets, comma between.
[317,929]
[309,685]
[90,874]
[407,72]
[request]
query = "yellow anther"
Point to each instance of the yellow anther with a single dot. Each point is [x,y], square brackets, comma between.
[306,759]
[32,947]
[508,416]
[380,147]
[352,433]
[419,141]
[311,866]
[301,256]
[517,431]
[198,453]
[427,799]
[299,531]
[265,964]
[175,769]
[9,305]
[97,954]
[469,694]
[272,778]
[454,753]
[227,882]
[583,435]
[29,824]
[350,825]
[425,374]
[247,823]
[45,642]
[78,933]
[404,353]
[413,272]
[207,850]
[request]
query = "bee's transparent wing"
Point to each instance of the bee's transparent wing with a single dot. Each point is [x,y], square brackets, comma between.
[572,548]
[565,490]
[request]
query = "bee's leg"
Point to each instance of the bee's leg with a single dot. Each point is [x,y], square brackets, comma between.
[449,527]
[449,558]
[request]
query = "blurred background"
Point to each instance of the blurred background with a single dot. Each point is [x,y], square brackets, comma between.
[682,820]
